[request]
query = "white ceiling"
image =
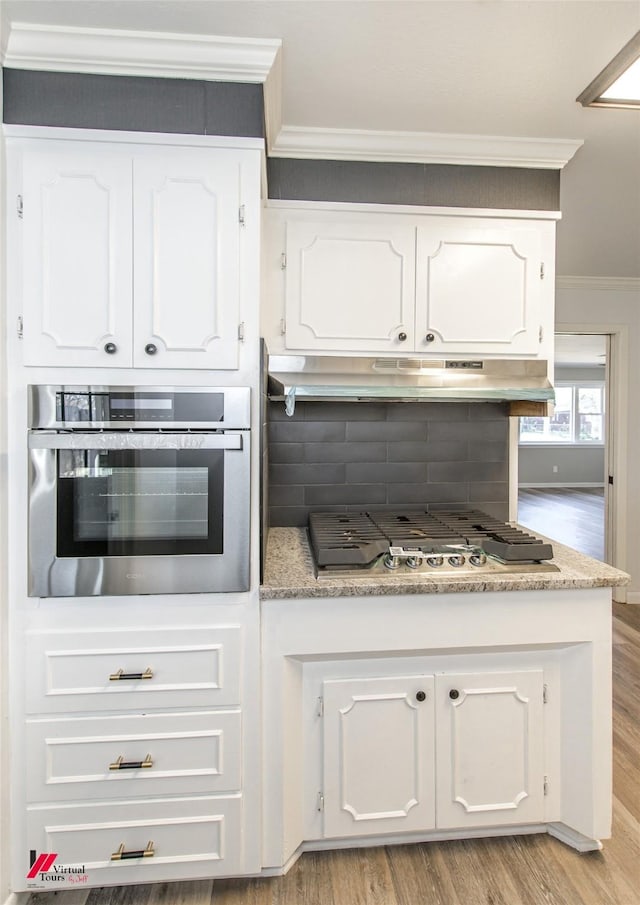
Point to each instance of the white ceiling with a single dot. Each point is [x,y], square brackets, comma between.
[487,67]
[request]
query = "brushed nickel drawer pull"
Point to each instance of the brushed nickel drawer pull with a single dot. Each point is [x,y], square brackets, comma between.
[122,676]
[121,855]
[122,764]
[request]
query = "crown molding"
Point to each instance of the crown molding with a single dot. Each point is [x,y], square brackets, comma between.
[424,147]
[615,284]
[120,52]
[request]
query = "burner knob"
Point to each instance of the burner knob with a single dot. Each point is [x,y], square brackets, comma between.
[414,561]
[456,560]
[391,562]
[435,561]
[478,559]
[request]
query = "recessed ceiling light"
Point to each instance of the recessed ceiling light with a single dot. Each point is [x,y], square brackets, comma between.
[618,85]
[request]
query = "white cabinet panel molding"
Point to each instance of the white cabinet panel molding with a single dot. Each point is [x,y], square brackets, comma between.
[490,748]
[378,755]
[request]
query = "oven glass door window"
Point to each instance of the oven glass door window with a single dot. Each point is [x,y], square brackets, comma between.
[140,502]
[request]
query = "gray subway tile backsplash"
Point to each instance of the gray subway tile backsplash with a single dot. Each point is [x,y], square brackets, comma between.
[352,456]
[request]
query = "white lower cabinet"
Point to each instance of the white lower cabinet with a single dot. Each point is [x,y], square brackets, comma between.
[423,752]
[120,669]
[135,757]
[145,841]
[489,749]
[379,766]
[137,754]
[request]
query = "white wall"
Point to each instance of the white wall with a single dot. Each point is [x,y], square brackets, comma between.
[4,709]
[615,303]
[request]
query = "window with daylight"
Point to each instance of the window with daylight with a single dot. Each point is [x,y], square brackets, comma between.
[578,417]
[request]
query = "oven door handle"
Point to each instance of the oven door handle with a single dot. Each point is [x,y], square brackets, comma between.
[43,440]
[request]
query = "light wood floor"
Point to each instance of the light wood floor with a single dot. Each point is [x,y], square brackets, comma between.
[572,515]
[524,870]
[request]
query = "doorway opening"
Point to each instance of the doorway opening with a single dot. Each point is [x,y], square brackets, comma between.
[563,460]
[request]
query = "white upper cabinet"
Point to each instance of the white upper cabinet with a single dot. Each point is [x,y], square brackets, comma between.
[131,255]
[187,259]
[478,287]
[76,255]
[349,286]
[430,284]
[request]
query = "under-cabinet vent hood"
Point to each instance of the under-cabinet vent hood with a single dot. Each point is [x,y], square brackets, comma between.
[311,377]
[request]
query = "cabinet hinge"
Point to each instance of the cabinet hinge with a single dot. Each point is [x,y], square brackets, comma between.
[320,805]
[20,328]
[320,707]
[545,694]
[283,326]
[283,261]
[545,785]
[241,215]
[241,332]
[20,207]
[542,270]
[540,334]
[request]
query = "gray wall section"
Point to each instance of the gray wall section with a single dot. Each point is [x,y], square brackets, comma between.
[198,107]
[511,188]
[353,456]
[127,103]
[576,465]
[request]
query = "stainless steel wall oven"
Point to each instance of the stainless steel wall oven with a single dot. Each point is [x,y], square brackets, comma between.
[138,490]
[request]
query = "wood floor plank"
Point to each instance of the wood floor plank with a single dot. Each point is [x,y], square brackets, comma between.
[571,515]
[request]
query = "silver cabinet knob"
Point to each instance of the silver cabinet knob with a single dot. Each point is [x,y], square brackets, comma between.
[110,348]
[402,337]
[429,338]
[150,349]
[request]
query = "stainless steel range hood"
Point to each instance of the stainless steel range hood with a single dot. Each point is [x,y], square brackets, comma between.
[309,377]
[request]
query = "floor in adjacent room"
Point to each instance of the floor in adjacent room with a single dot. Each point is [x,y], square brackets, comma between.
[571,515]
[511,870]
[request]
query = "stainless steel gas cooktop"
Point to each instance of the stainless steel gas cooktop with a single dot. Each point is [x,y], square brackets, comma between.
[403,543]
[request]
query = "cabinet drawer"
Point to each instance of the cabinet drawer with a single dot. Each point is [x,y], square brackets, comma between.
[75,671]
[189,837]
[103,758]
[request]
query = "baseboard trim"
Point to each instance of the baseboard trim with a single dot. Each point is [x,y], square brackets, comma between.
[632,597]
[573,838]
[557,485]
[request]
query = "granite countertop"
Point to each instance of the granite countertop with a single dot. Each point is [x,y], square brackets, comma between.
[289,573]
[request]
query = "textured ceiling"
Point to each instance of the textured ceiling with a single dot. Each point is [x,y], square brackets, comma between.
[489,67]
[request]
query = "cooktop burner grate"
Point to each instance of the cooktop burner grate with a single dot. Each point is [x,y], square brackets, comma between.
[358,539]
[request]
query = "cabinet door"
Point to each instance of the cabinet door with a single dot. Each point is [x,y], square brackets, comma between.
[378,756]
[349,286]
[76,256]
[186,246]
[490,759]
[478,288]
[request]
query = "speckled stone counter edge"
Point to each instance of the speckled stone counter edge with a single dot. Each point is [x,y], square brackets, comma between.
[289,573]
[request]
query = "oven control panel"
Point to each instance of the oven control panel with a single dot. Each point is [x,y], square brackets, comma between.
[99,407]
[107,407]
